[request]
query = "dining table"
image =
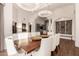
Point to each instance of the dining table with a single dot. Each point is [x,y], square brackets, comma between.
[34,44]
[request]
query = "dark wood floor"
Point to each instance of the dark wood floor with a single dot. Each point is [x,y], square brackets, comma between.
[67,48]
[3,53]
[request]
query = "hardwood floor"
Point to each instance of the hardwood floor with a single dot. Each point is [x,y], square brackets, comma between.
[67,48]
[3,53]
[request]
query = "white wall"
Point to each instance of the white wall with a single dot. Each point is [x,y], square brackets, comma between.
[67,12]
[60,12]
[20,15]
[8,19]
[77,26]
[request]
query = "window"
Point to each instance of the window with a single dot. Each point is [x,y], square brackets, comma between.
[64,27]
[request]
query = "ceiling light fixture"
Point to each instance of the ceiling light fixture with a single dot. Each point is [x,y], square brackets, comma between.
[45,13]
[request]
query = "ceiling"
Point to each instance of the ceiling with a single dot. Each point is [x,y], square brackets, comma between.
[32,6]
[37,6]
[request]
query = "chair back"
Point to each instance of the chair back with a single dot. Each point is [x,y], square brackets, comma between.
[53,43]
[23,39]
[35,34]
[45,47]
[57,37]
[11,50]
[22,35]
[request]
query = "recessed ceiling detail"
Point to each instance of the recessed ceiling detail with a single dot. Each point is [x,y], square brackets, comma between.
[32,6]
[37,6]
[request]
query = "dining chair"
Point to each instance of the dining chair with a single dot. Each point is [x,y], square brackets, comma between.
[53,43]
[57,38]
[23,38]
[35,34]
[22,35]
[23,41]
[12,51]
[45,48]
[10,47]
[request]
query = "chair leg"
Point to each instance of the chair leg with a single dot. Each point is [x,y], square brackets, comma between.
[53,53]
[57,49]
[58,46]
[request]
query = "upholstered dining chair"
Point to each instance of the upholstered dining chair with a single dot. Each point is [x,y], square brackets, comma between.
[53,43]
[23,38]
[35,34]
[57,38]
[45,48]
[11,50]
